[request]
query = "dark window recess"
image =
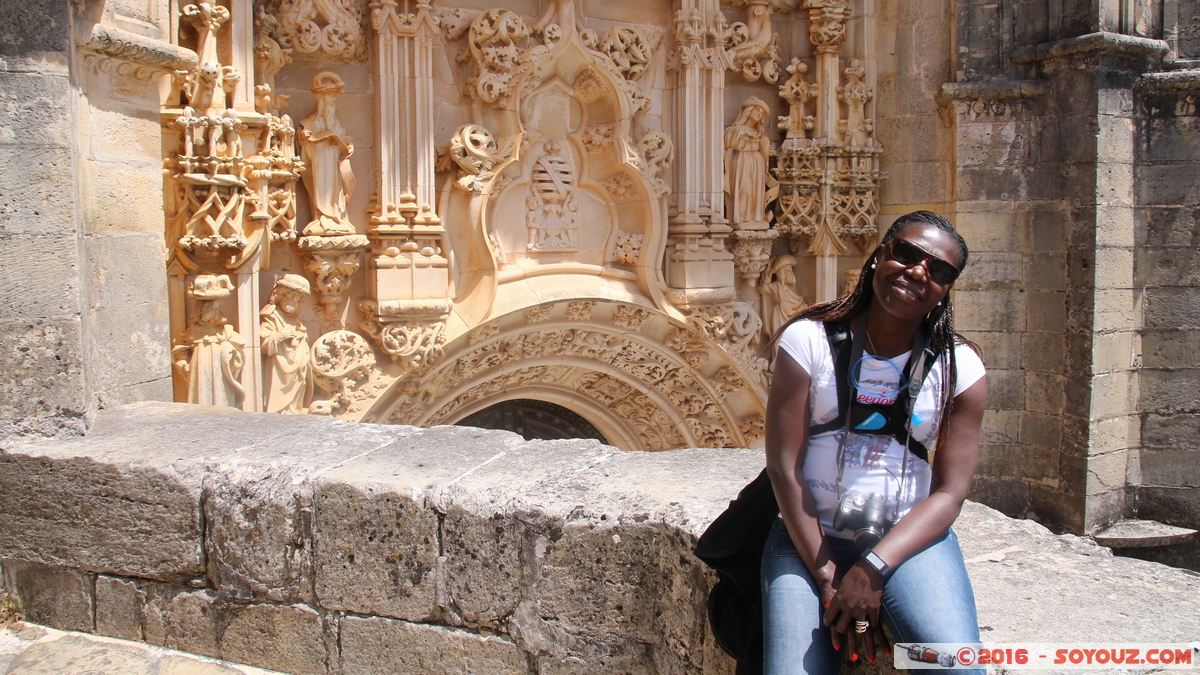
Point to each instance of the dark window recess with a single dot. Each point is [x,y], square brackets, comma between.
[533,420]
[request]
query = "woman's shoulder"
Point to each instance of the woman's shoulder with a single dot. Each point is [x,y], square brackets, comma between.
[804,329]
[968,366]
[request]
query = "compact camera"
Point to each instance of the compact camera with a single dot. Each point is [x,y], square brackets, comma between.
[867,515]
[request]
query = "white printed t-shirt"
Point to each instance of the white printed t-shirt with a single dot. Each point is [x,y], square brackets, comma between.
[873,463]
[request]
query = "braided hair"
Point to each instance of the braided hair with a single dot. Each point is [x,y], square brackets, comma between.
[938,324]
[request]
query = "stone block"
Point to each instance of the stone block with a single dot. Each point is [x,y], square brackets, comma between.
[37,109]
[1166,391]
[1043,352]
[36,26]
[999,350]
[1105,508]
[1001,426]
[74,653]
[1045,392]
[1114,268]
[1114,185]
[108,183]
[1056,509]
[1172,226]
[1107,472]
[181,618]
[1040,429]
[1006,389]
[1036,464]
[989,310]
[1114,352]
[128,135]
[1043,271]
[1113,434]
[991,226]
[279,637]
[1171,308]
[376,646]
[120,608]
[79,512]
[996,460]
[1180,431]
[995,142]
[37,191]
[1008,496]
[991,182]
[127,270]
[259,542]
[42,390]
[1168,266]
[1178,506]
[916,183]
[1048,230]
[53,596]
[1115,142]
[992,271]
[1116,226]
[1116,309]
[1114,394]
[1171,467]
[1167,185]
[42,276]
[1047,311]
[129,346]
[1168,140]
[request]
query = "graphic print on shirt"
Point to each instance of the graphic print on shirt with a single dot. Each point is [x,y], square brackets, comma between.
[862,451]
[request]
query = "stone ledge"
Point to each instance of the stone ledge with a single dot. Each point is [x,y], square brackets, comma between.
[1116,43]
[201,528]
[1169,81]
[993,90]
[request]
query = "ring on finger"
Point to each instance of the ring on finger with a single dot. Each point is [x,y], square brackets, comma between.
[861,626]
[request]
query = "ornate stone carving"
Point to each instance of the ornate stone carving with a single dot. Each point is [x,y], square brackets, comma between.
[827,23]
[656,153]
[474,151]
[342,362]
[412,344]
[856,128]
[797,92]
[725,381]
[287,379]
[552,203]
[133,48]
[749,184]
[690,347]
[269,58]
[484,332]
[751,250]
[208,355]
[690,45]
[580,310]
[627,249]
[493,47]
[332,261]
[754,48]
[630,317]
[329,30]
[620,186]
[326,149]
[630,49]
[753,427]
[598,137]
[538,314]
[781,300]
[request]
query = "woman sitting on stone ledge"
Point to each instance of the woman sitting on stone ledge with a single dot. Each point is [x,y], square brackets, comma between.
[867,497]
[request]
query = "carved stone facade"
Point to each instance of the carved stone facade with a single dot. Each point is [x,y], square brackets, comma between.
[465,223]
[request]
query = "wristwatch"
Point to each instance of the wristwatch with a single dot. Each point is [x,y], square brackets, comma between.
[876,563]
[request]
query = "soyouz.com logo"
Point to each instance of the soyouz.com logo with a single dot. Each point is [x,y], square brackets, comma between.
[1012,656]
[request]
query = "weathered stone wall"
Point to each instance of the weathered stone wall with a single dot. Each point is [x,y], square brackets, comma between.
[1168,278]
[81,219]
[308,545]
[44,388]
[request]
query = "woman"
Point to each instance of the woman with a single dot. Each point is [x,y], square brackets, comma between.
[824,597]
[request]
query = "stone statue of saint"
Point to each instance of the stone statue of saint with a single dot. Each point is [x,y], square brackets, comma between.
[208,356]
[779,292]
[326,149]
[287,379]
[749,186]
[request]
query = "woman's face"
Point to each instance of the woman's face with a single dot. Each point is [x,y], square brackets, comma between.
[908,292]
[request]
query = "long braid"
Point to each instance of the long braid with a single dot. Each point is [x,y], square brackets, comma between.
[939,324]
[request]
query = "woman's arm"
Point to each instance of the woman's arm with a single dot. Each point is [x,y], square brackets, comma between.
[953,468]
[787,443]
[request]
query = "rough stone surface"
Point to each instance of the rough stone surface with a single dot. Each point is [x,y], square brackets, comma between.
[280,637]
[55,596]
[183,619]
[120,608]
[371,645]
[36,650]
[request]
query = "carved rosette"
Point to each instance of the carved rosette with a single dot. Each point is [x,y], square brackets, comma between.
[410,332]
[342,363]
[332,261]
[326,30]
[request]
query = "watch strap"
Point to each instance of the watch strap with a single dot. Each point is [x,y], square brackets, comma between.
[876,563]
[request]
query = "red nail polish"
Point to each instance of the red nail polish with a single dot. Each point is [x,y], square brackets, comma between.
[854,657]
[836,646]
[827,602]
[871,658]
[887,648]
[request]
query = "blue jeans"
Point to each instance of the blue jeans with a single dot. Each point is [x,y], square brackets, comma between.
[927,599]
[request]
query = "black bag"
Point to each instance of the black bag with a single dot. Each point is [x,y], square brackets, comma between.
[733,546]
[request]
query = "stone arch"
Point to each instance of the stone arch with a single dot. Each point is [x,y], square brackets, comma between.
[644,379]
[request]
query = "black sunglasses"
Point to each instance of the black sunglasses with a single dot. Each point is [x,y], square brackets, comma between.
[908,254]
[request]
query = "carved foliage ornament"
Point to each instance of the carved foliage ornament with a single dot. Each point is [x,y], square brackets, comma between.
[754,48]
[494,48]
[325,29]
